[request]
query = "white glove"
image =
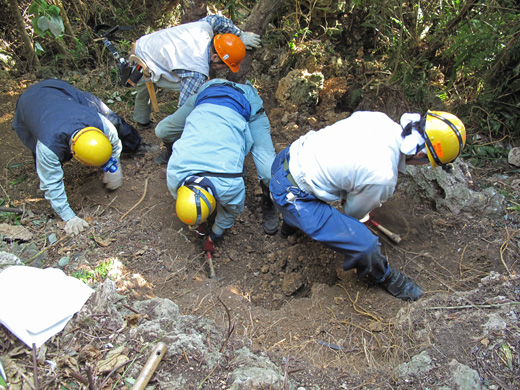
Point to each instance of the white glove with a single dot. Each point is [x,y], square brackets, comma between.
[113,180]
[250,40]
[75,225]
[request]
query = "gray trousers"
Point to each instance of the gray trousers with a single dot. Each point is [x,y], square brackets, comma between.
[143,104]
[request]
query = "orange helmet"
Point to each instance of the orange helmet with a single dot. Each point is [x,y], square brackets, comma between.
[230,49]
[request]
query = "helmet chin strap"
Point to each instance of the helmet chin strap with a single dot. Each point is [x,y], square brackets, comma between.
[198,196]
[429,144]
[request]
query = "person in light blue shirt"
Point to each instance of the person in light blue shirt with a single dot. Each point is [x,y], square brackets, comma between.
[211,134]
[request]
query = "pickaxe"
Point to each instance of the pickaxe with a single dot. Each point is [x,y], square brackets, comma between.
[393,236]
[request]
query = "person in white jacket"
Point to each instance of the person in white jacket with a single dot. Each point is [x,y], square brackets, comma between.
[179,58]
[356,161]
[57,122]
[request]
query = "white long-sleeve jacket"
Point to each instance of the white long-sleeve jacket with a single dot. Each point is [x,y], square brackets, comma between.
[356,159]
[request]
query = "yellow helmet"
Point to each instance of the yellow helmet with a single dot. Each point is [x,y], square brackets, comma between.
[445,137]
[90,146]
[194,204]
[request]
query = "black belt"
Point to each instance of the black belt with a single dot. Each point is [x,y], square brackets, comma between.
[289,176]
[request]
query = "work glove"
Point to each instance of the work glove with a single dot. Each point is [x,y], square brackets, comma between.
[250,40]
[211,241]
[113,180]
[366,220]
[75,225]
[201,230]
[209,245]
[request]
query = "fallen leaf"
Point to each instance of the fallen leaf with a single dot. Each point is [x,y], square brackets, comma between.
[103,242]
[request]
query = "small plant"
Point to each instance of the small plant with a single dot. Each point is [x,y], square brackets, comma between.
[46,19]
[85,276]
[100,273]
[9,218]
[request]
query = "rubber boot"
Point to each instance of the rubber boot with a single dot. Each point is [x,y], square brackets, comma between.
[401,286]
[270,217]
[162,159]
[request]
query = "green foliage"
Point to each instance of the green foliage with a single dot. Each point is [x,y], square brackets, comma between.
[100,273]
[46,19]
[298,39]
[9,218]
[18,180]
[233,9]
[479,154]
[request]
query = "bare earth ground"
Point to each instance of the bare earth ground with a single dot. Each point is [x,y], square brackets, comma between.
[287,296]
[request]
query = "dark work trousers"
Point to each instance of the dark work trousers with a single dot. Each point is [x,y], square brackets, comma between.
[324,223]
[128,135]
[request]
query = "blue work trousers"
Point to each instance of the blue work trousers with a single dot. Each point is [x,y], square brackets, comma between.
[324,223]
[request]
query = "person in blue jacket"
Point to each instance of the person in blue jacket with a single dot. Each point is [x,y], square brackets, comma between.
[56,122]
[212,134]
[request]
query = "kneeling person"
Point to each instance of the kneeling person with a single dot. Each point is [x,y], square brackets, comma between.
[357,161]
[205,171]
[57,122]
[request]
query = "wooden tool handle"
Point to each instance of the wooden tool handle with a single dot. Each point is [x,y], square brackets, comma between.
[150,367]
[212,273]
[394,237]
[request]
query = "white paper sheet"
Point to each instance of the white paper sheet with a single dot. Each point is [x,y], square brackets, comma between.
[36,304]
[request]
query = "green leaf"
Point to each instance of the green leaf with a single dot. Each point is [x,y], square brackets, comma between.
[52,24]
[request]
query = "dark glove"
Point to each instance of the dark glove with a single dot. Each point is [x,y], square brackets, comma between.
[209,245]
[201,230]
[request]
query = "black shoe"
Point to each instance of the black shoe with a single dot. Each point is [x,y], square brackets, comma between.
[142,149]
[144,126]
[401,286]
[287,230]
[163,157]
[270,218]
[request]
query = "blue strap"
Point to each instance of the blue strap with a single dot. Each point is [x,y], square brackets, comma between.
[226,95]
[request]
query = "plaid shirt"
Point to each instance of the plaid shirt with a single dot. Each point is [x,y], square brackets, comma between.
[222,25]
[190,84]
[192,81]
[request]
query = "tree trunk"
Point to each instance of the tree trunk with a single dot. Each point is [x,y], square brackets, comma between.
[27,42]
[257,22]
[66,23]
[193,10]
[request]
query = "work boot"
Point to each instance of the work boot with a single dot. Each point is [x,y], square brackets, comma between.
[164,157]
[287,230]
[140,151]
[270,217]
[401,286]
[144,126]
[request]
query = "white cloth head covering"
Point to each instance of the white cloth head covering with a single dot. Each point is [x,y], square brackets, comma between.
[414,139]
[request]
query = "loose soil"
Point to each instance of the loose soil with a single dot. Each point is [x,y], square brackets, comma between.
[288,296]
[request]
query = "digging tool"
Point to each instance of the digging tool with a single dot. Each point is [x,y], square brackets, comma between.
[122,63]
[147,79]
[212,274]
[150,367]
[393,236]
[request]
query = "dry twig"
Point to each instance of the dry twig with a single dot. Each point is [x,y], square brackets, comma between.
[35,367]
[231,327]
[137,204]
